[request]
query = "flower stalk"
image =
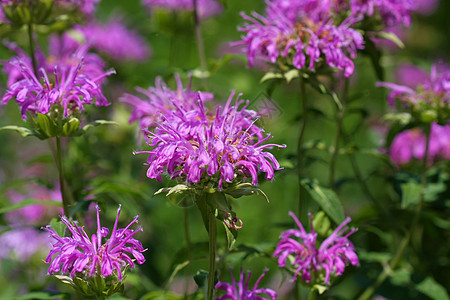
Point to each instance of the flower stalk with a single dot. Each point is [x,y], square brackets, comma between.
[32,48]
[59,163]
[199,38]
[212,252]
[301,190]
[339,121]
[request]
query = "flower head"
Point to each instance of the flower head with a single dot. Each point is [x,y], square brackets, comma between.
[200,147]
[67,87]
[115,40]
[205,8]
[334,253]
[313,33]
[411,144]
[241,291]
[429,99]
[161,101]
[89,256]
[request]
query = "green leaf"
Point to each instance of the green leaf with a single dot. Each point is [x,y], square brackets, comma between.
[22,130]
[245,189]
[401,277]
[201,278]
[95,124]
[291,74]
[41,296]
[231,235]
[432,289]
[58,226]
[271,75]
[402,118]
[391,37]
[71,127]
[27,202]
[320,288]
[321,224]
[326,198]
[411,192]
[46,125]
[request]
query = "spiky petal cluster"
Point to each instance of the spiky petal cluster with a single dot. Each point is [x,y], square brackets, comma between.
[435,87]
[89,256]
[115,40]
[334,253]
[205,8]
[301,37]
[411,144]
[198,146]
[241,291]
[161,100]
[67,87]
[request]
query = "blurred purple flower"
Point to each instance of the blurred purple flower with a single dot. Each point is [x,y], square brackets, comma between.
[240,291]
[334,253]
[205,8]
[34,214]
[196,145]
[433,88]
[162,101]
[411,144]
[86,6]
[22,243]
[115,40]
[425,7]
[68,87]
[410,75]
[81,254]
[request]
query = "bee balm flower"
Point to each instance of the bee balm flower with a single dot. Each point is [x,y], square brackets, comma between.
[80,254]
[331,257]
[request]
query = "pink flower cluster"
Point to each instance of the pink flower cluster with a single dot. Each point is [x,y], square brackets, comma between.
[82,254]
[411,144]
[194,145]
[334,253]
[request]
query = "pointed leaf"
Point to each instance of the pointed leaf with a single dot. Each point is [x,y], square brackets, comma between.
[58,226]
[271,75]
[95,124]
[22,130]
[411,192]
[326,198]
[432,289]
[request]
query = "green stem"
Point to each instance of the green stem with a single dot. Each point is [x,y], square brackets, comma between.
[59,164]
[339,121]
[404,243]
[312,294]
[199,39]
[32,48]
[188,248]
[212,253]
[301,191]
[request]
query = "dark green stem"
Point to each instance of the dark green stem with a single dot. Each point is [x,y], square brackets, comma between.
[199,39]
[312,294]
[404,243]
[339,121]
[188,247]
[212,253]
[301,191]
[59,164]
[32,48]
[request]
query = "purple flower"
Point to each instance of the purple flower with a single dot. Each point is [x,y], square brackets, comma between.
[160,100]
[200,146]
[85,6]
[334,253]
[411,144]
[81,254]
[22,243]
[205,8]
[115,40]
[67,88]
[302,35]
[241,290]
[434,89]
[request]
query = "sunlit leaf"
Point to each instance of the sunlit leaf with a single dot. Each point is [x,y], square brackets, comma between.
[432,289]
[326,198]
